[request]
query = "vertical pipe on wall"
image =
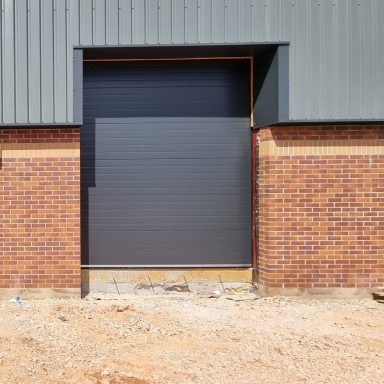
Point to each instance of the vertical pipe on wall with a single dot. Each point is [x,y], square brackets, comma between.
[253,163]
[251,80]
[1,59]
[254,178]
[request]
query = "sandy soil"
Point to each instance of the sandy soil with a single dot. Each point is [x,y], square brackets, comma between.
[182,338]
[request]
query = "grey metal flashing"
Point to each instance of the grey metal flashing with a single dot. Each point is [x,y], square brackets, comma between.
[272,87]
[283,82]
[186,45]
[40,125]
[328,122]
[78,86]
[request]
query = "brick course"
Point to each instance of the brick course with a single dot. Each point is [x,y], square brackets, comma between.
[40,208]
[320,201]
[321,206]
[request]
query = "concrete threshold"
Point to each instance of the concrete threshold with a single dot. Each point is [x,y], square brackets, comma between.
[160,280]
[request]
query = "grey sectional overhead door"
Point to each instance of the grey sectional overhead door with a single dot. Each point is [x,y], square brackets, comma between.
[166,164]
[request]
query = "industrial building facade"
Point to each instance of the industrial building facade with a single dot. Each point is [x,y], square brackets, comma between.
[241,136]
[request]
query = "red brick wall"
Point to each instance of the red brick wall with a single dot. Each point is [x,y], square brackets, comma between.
[39,208]
[321,212]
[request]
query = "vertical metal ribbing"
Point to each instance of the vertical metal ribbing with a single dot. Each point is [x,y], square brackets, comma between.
[267,17]
[145,23]
[118,21]
[280,20]
[336,58]
[238,21]
[172,24]
[321,37]
[133,22]
[361,98]
[132,5]
[1,62]
[67,39]
[308,49]
[93,21]
[14,63]
[348,68]
[158,22]
[28,19]
[292,103]
[252,19]
[375,110]
[106,18]
[211,20]
[199,21]
[185,20]
[79,10]
[54,57]
[225,20]
[41,60]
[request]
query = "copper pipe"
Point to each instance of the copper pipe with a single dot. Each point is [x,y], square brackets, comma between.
[170,59]
[251,90]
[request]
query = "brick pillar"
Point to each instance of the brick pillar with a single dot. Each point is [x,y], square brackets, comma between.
[40,210]
[321,208]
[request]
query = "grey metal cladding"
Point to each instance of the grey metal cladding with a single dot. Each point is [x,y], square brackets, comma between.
[166,164]
[77,86]
[271,87]
[336,53]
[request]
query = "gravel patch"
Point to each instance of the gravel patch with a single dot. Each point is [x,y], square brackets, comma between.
[183,338]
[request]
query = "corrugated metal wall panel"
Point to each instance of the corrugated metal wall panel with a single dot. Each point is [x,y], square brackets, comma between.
[60,60]
[47,62]
[125,24]
[245,20]
[312,70]
[1,58]
[34,74]
[355,60]
[99,27]
[8,63]
[86,19]
[112,22]
[258,20]
[299,52]
[69,63]
[21,62]
[165,24]
[336,54]
[328,67]
[368,52]
[379,42]
[177,21]
[74,7]
[152,21]
[218,21]
[139,35]
[341,50]
[191,21]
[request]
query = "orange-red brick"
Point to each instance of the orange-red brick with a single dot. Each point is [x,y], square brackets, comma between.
[321,218]
[40,213]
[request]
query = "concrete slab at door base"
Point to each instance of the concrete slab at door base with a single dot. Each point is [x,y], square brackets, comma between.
[324,293]
[124,281]
[39,293]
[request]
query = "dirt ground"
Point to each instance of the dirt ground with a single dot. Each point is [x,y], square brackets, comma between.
[180,338]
